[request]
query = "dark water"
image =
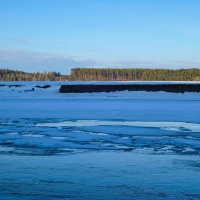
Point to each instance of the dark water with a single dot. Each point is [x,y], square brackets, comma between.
[108,175]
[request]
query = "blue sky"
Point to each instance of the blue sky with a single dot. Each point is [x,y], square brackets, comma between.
[56,35]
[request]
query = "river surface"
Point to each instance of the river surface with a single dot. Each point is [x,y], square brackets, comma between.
[119,145]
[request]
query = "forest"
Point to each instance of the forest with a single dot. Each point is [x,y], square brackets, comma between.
[134,74]
[13,75]
[105,74]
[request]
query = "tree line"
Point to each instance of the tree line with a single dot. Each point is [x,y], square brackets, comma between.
[134,74]
[13,75]
[105,74]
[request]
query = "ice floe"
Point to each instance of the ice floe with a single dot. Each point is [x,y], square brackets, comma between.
[169,126]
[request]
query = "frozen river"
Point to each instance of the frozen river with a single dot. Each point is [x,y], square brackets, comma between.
[121,145]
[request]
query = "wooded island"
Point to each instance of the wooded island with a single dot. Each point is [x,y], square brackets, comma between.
[105,74]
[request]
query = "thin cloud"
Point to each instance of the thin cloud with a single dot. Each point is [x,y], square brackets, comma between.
[151,64]
[34,61]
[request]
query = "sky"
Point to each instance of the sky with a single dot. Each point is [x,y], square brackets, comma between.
[57,35]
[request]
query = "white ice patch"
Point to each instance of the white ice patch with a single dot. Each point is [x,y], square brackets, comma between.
[188,149]
[101,134]
[172,129]
[14,133]
[6,149]
[31,135]
[170,126]
[59,138]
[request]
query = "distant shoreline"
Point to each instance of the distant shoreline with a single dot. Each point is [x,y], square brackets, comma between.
[107,86]
[105,74]
[92,88]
